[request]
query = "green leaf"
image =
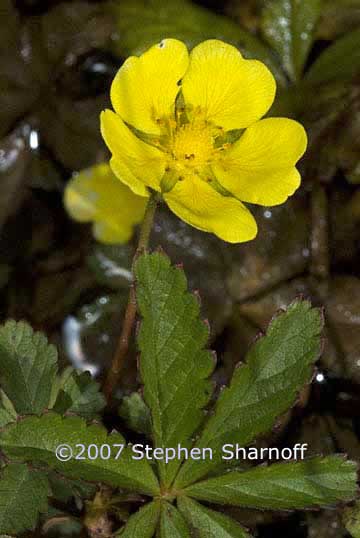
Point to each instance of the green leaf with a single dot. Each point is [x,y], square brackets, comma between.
[63,489]
[277,367]
[136,413]
[310,483]
[7,411]
[208,523]
[5,417]
[143,523]
[339,62]
[35,439]
[79,394]
[289,26]
[172,523]
[351,519]
[142,24]
[23,495]
[174,365]
[28,366]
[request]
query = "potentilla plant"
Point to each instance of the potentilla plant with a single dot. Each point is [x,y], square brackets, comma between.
[186,130]
[187,458]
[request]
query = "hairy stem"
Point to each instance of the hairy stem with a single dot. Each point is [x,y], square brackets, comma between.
[117,364]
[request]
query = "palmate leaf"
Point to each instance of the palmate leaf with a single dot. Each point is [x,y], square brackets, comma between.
[174,365]
[172,523]
[143,523]
[28,366]
[208,523]
[78,393]
[277,367]
[35,439]
[23,495]
[282,486]
[289,27]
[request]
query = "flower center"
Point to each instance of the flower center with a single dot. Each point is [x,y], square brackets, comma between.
[193,145]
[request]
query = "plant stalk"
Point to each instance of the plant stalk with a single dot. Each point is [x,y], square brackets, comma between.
[118,361]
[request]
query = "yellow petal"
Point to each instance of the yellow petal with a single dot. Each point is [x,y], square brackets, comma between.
[104,232]
[97,195]
[145,88]
[136,163]
[198,204]
[232,92]
[123,173]
[260,167]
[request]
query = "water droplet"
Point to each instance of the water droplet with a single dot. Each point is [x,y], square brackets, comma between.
[305,252]
[34,139]
[72,344]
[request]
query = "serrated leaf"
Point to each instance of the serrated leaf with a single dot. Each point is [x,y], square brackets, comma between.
[172,523]
[276,367]
[282,486]
[208,523]
[174,366]
[5,417]
[141,25]
[143,523]
[80,394]
[28,366]
[35,439]
[136,413]
[7,411]
[339,62]
[23,495]
[289,27]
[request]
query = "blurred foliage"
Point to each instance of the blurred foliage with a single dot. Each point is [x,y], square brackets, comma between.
[43,78]
[289,27]
[338,17]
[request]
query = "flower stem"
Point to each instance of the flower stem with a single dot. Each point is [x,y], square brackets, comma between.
[117,364]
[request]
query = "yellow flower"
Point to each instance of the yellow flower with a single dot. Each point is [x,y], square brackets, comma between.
[189,126]
[97,195]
